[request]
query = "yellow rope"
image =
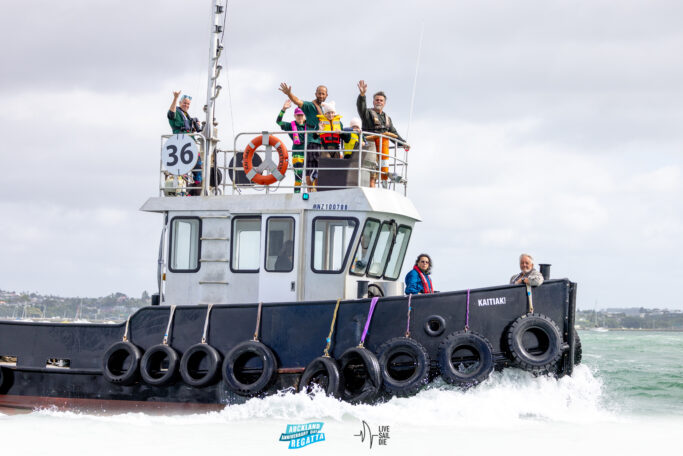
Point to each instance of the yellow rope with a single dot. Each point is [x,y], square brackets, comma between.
[258,320]
[531,302]
[329,337]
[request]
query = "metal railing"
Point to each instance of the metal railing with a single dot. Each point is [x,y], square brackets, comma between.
[367,166]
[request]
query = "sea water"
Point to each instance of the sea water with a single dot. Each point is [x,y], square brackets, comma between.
[626,398]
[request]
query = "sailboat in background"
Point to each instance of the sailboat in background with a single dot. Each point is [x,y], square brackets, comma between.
[597,327]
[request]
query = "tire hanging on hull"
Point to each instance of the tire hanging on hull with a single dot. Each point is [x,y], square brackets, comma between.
[239,377]
[465,358]
[535,342]
[324,370]
[324,373]
[242,378]
[404,365]
[578,350]
[121,363]
[201,363]
[159,365]
[361,373]
[360,369]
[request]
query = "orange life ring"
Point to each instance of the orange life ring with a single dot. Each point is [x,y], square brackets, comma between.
[277,173]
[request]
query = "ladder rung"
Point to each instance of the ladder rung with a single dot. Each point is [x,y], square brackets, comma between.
[214,239]
[202,282]
[214,261]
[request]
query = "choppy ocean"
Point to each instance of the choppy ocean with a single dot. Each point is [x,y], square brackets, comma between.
[625,399]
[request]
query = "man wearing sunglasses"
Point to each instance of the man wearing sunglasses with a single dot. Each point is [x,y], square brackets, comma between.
[179,117]
[181,123]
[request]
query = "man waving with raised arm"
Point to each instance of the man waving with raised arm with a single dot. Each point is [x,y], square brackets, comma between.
[311,110]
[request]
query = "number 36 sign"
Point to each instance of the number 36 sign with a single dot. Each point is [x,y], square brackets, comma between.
[179,155]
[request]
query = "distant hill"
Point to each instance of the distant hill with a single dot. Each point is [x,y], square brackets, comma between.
[116,306]
[631,318]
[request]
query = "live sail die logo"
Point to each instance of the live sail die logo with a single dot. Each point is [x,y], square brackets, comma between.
[366,434]
[301,435]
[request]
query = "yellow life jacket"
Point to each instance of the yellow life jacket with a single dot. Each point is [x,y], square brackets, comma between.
[351,145]
[332,126]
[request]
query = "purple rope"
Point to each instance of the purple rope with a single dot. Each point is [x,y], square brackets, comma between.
[373,303]
[409,308]
[467,317]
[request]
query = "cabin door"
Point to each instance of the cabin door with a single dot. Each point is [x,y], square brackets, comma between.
[280,247]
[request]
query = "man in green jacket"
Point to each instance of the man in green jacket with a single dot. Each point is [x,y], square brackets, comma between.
[181,123]
[311,110]
[179,117]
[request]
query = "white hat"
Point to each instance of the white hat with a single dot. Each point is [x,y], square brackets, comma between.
[329,107]
[356,122]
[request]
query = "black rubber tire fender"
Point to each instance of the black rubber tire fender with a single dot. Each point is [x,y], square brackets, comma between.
[235,361]
[362,376]
[403,349]
[2,378]
[121,363]
[324,372]
[471,350]
[535,342]
[192,359]
[578,350]
[159,365]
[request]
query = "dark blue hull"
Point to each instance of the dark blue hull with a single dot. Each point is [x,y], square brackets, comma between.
[295,332]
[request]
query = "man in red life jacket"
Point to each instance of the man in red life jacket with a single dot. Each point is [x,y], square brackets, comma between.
[418,280]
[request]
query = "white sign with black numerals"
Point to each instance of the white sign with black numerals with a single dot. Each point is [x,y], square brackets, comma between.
[179,155]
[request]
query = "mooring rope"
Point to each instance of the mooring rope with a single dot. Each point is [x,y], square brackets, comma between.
[206,323]
[125,333]
[529,299]
[467,315]
[326,352]
[373,303]
[258,320]
[408,324]
[168,328]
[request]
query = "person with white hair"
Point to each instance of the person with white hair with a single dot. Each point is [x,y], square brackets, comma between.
[351,145]
[528,274]
[178,115]
[375,120]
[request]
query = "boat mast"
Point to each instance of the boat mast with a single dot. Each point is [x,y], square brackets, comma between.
[212,88]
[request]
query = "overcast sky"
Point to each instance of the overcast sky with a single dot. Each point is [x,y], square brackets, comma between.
[549,127]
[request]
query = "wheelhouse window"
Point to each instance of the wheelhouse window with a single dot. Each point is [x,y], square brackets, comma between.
[382,249]
[365,246]
[246,244]
[184,243]
[332,238]
[280,244]
[398,253]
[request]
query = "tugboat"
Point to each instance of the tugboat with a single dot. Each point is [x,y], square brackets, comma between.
[262,289]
